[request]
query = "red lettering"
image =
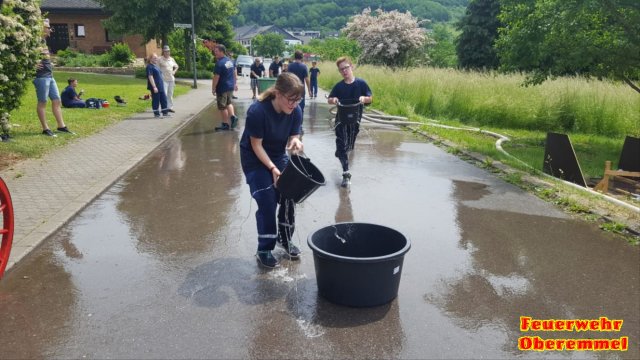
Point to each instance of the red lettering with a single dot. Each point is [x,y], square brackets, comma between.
[538,343]
[535,324]
[524,323]
[571,345]
[601,344]
[605,324]
[625,343]
[581,325]
[617,325]
[549,344]
[585,345]
[524,343]
[560,324]
[595,325]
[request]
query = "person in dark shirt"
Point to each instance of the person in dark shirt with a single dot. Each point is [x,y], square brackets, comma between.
[275,67]
[257,70]
[300,69]
[223,85]
[349,94]
[155,84]
[47,88]
[314,72]
[71,99]
[272,127]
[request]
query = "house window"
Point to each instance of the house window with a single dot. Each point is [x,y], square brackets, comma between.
[110,37]
[79,30]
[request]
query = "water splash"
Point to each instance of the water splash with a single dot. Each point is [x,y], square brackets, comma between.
[310,330]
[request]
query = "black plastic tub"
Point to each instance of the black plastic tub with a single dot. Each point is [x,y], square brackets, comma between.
[349,114]
[358,264]
[299,179]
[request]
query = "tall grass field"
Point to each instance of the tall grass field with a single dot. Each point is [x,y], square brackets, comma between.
[597,115]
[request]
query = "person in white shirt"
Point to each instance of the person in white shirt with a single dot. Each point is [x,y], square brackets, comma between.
[168,68]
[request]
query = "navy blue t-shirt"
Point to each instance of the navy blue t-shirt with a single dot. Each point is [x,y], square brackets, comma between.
[157,78]
[226,70]
[350,93]
[300,70]
[314,73]
[274,129]
[68,96]
[258,69]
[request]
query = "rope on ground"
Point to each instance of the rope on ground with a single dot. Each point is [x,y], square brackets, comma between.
[381,118]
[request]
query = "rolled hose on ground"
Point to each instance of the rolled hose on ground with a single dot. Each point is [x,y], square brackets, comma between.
[380,118]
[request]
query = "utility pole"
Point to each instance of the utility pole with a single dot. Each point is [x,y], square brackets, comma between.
[193,44]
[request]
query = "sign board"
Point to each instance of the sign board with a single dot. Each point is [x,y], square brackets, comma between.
[560,159]
[182,26]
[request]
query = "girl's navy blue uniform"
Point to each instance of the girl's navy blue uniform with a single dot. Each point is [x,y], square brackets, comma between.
[274,129]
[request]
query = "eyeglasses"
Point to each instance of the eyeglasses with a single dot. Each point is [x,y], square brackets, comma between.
[344,68]
[293,101]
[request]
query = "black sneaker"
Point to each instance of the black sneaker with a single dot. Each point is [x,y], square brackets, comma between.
[290,249]
[346,179]
[48,132]
[66,130]
[223,127]
[5,138]
[171,110]
[266,259]
[234,121]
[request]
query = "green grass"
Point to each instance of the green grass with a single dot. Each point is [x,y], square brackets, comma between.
[597,115]
[26,132]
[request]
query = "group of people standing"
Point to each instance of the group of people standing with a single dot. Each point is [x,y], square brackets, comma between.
[273,127]
[161,81]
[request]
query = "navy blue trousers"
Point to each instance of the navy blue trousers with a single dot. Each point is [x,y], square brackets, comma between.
[345,141]
[159,100]
[271,228]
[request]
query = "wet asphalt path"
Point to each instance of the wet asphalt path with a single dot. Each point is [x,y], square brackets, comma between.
[162,266]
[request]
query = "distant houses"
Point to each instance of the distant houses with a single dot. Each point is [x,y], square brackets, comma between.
[245,34]
[77,24]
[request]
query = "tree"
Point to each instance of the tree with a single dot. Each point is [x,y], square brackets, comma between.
[154,19]
[270,44]
[442,51]
[479,30]
[551,38]
[331,49]
[386,38]
[20,46]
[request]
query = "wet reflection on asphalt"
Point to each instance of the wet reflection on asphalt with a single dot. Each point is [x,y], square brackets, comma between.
[161,265]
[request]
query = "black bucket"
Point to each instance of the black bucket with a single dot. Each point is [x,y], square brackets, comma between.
[299,179]
[358,264]
[349,114]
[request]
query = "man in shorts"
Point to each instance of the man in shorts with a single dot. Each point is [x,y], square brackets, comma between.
[257,71]
[223,85]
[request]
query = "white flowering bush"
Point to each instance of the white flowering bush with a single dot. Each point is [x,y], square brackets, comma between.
[386,38]
[20,43]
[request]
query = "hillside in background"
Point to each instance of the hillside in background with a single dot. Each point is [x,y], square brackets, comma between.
[331,16]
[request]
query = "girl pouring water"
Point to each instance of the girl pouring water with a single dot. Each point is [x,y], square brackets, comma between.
[272,127]
[349,94]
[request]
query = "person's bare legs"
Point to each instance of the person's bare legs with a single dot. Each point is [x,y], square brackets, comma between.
[41,115]
[231,110]
[56,108]
[225,116]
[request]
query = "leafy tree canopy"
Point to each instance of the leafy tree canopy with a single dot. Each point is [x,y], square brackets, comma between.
[558,37]
[270,44]
[386,38]
[479,30]
[20,46]
[154,19]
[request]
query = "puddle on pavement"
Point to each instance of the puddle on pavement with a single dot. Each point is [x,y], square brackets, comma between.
[162,264]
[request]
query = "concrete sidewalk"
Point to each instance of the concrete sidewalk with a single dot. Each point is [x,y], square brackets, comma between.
[49,191]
